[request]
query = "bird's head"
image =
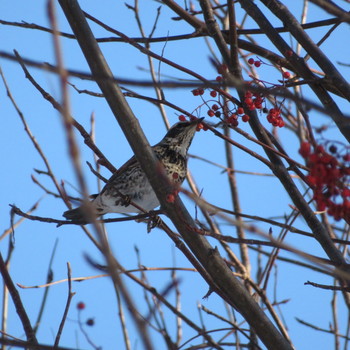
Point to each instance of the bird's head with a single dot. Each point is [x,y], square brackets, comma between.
[180,135]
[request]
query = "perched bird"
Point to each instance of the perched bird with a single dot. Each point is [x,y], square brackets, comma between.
[129,185]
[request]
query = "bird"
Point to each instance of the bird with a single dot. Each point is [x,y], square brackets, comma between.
[128,189]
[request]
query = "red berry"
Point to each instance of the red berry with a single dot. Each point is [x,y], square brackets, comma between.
[234,122]
[275,122]
[251,61]
[319,149]
[211,113]
[346,158]
[258,99]
[170,198]
[199,127]
[289,53]
[270,118]
[245,118]
[286,75]
[175,176]
[200,91]
[311,180]
[257,64]
[213,93]
[195,92]
[304,149]
[81,306]
[182,118]
[218,78]
[240,110]
[214,107]
[248,101]
[321,205]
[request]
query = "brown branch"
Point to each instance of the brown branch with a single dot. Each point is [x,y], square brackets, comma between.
[320,329]
[18,304]
[16,210]
[16,224]
[230,239]
[315,24]
[294,262]
[328,287]
[65,313]
[16,343]
[334,9]
[82,279]
[49,279]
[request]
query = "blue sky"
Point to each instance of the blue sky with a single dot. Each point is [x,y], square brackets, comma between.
[34,241]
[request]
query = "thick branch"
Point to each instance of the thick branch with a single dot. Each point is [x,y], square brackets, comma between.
[18,304]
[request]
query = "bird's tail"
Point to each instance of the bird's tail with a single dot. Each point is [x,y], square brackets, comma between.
[77,214]
[84,213]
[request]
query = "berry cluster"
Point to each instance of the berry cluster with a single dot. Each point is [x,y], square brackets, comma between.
[255,101]
[219,107]
[257,63]
[198,92]
[274,117]
[328,176]
[229,116]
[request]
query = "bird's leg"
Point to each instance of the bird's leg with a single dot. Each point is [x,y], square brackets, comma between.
[153,221]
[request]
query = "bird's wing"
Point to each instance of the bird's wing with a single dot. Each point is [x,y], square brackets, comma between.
[130,163]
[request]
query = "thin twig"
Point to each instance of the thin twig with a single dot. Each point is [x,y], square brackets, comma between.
[49,279]
[328,287]
[320,329]
[66,309]
[19,212]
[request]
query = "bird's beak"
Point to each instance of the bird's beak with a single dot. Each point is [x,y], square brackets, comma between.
[197,121]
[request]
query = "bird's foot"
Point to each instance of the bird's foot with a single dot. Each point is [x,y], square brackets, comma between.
[153,221]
